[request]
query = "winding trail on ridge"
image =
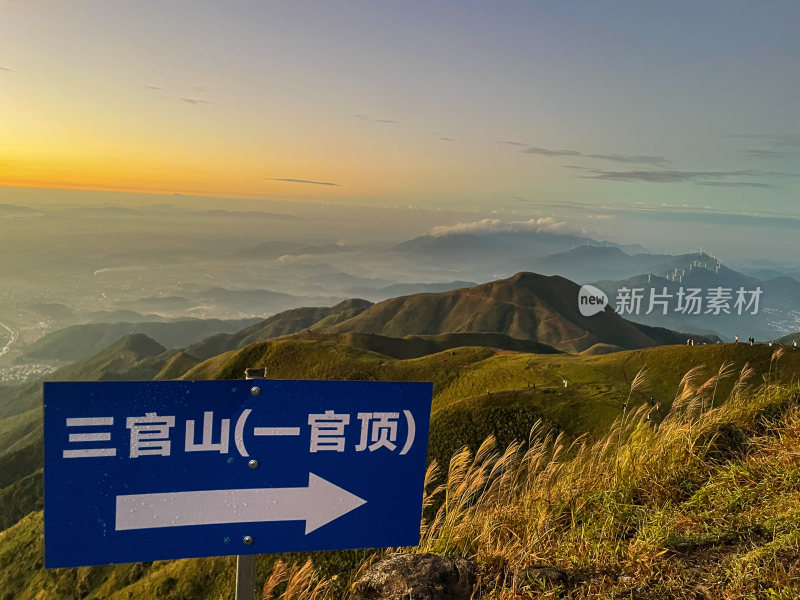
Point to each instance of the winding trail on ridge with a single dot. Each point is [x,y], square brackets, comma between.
[13,336]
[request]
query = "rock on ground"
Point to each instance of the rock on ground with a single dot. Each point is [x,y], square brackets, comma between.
[417,577]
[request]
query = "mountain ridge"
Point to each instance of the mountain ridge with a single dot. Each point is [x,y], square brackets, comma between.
[525,306]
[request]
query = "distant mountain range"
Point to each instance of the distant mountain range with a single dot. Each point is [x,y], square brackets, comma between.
[592,263]
[527,312]
[284,323]
[474,253]
[220,299]
[81,341]
[611,268]
[520,312]
[776,314]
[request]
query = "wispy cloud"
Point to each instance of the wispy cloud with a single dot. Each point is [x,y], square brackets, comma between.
[245,214]
[761,153]
[445,136]
[714,217]
[736,184]
[487,226]
[635,158]
[309,181]
[153,87]
[373,119]
[683,214]
[777,139]
[6,69]
[547,152]
[650,176]
[643,159]
[667,176]
[194,101]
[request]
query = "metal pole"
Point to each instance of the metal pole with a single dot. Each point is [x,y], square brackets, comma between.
[246,563]
[245,576]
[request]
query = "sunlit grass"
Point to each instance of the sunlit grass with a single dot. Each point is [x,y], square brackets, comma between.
[704,502]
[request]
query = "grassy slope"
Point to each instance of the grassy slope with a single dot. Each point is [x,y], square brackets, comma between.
[132,357]
[417,346]
[704,506]
[176,366]
[463,374]
[597,385]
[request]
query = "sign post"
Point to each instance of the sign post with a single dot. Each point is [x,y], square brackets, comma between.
[246,563]
[142,471]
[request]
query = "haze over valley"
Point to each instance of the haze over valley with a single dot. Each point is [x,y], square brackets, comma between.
[104,264]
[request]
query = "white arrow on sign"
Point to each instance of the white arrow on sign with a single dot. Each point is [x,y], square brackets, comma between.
[318,504]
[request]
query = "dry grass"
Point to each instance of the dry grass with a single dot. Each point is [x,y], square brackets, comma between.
[294,582]
[618,515]
[700,502]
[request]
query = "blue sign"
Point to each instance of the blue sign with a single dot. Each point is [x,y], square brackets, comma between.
[142,471]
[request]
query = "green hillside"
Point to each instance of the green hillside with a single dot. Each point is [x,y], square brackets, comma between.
[416,346]
[469,372]
[642,502]
[176,366]
[478,392]
[134,357]
[790,339]
[131,357]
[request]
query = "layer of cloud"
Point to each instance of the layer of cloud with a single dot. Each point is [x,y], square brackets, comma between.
[778,139]
[656,161]
[547,152]
[309,181]
[244,214]
[194,101]
[487,226]
[373,119]
[683,214]
[711,217]
[6,69]
[445,136]
[761,153]
[736,184]
[674,176]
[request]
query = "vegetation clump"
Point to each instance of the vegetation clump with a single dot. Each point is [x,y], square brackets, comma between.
[700,505]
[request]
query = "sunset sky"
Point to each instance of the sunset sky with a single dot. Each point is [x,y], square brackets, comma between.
[687,111]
